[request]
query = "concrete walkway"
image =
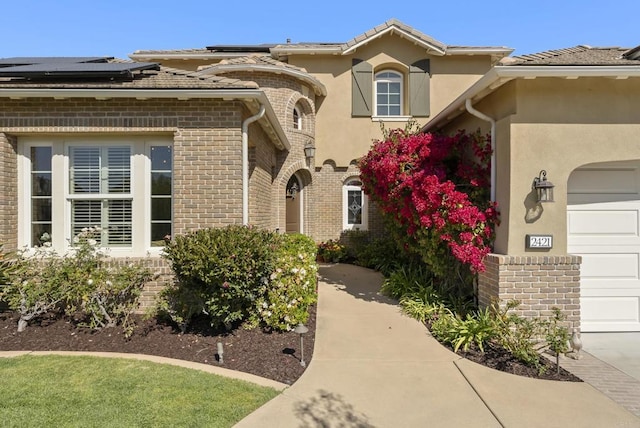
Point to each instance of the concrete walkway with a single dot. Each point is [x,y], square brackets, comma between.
[373,367]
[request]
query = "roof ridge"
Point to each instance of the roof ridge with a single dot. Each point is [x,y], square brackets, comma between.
[552,53]
[207,78]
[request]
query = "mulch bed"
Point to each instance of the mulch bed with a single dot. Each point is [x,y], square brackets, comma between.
[271,355]
[268,354]
[500,359]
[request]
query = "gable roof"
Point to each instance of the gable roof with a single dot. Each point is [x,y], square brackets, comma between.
[577,55]
[262,62]
[392,26]
[570,63]
[280,51]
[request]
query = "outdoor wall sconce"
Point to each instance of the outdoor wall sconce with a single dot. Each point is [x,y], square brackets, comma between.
[301,329]
[309,151]
[543,188]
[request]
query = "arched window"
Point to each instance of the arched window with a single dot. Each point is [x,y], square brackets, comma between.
[297,117]
[388,93]
[354,205]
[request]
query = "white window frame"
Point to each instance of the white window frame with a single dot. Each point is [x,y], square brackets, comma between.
[350,185]
[61,196]
[396,78]
[297,122]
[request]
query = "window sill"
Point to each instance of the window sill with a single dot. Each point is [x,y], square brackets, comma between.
[391,118]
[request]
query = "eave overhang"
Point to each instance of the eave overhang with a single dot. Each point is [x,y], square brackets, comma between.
[252,99]
[317,86]
[500,75]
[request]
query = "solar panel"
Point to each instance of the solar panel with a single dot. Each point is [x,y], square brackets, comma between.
[14,61]
[77,69]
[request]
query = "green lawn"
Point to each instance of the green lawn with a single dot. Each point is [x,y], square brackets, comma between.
[60,391]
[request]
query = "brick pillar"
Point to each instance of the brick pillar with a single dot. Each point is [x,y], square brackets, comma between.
[8,192]
[538,282]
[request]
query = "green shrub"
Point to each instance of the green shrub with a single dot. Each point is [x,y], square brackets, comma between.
[34,290]
[354,241]
[477,328]
[518,335]
[8,267]
[407,280]
[237,274]
[423,310]
[284,302]
[557,336]
[221,271]
[79,283]
[381,254]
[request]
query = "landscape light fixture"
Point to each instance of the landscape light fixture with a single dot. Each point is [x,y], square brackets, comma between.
[543,188]
[301,329]
[220,353]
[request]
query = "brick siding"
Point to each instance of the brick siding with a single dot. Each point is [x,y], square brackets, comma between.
[8,192]
[540,283]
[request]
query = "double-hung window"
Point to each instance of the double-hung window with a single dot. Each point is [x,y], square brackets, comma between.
[388,87]
[122,186]
[100,192]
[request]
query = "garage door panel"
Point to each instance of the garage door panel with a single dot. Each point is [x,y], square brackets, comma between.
[608,288]
[610,313]
[603,226]
[604,223]
[614,266]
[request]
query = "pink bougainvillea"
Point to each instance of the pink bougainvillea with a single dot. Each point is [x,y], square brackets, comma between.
[434,189]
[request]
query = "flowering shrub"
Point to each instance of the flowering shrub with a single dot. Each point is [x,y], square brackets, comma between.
[332,251]
[239,273]
[79,283]
[432,190]
[285,301]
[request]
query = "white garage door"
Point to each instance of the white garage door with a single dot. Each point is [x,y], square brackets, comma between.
[603,222]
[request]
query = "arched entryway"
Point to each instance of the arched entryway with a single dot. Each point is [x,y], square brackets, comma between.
[294,205]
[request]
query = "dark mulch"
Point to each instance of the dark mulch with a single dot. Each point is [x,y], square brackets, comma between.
[498,358]
[272,355]
[268,354]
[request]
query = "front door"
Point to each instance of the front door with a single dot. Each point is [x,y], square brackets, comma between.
[294,205]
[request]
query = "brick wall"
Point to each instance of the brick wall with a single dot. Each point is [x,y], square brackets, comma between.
[538,282]
[207,148]
[161,270]
[262,192]
[8,192]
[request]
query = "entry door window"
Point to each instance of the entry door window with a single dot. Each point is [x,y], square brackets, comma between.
[354,206]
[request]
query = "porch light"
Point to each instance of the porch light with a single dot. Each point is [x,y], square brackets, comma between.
[309,151]
[301,329]
[544,188]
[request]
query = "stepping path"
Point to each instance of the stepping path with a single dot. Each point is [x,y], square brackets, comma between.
[374,367]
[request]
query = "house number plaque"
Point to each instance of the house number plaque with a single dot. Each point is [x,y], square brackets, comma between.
[540,241]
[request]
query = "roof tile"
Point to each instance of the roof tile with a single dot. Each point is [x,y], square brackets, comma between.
[165,78]
[577,55]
